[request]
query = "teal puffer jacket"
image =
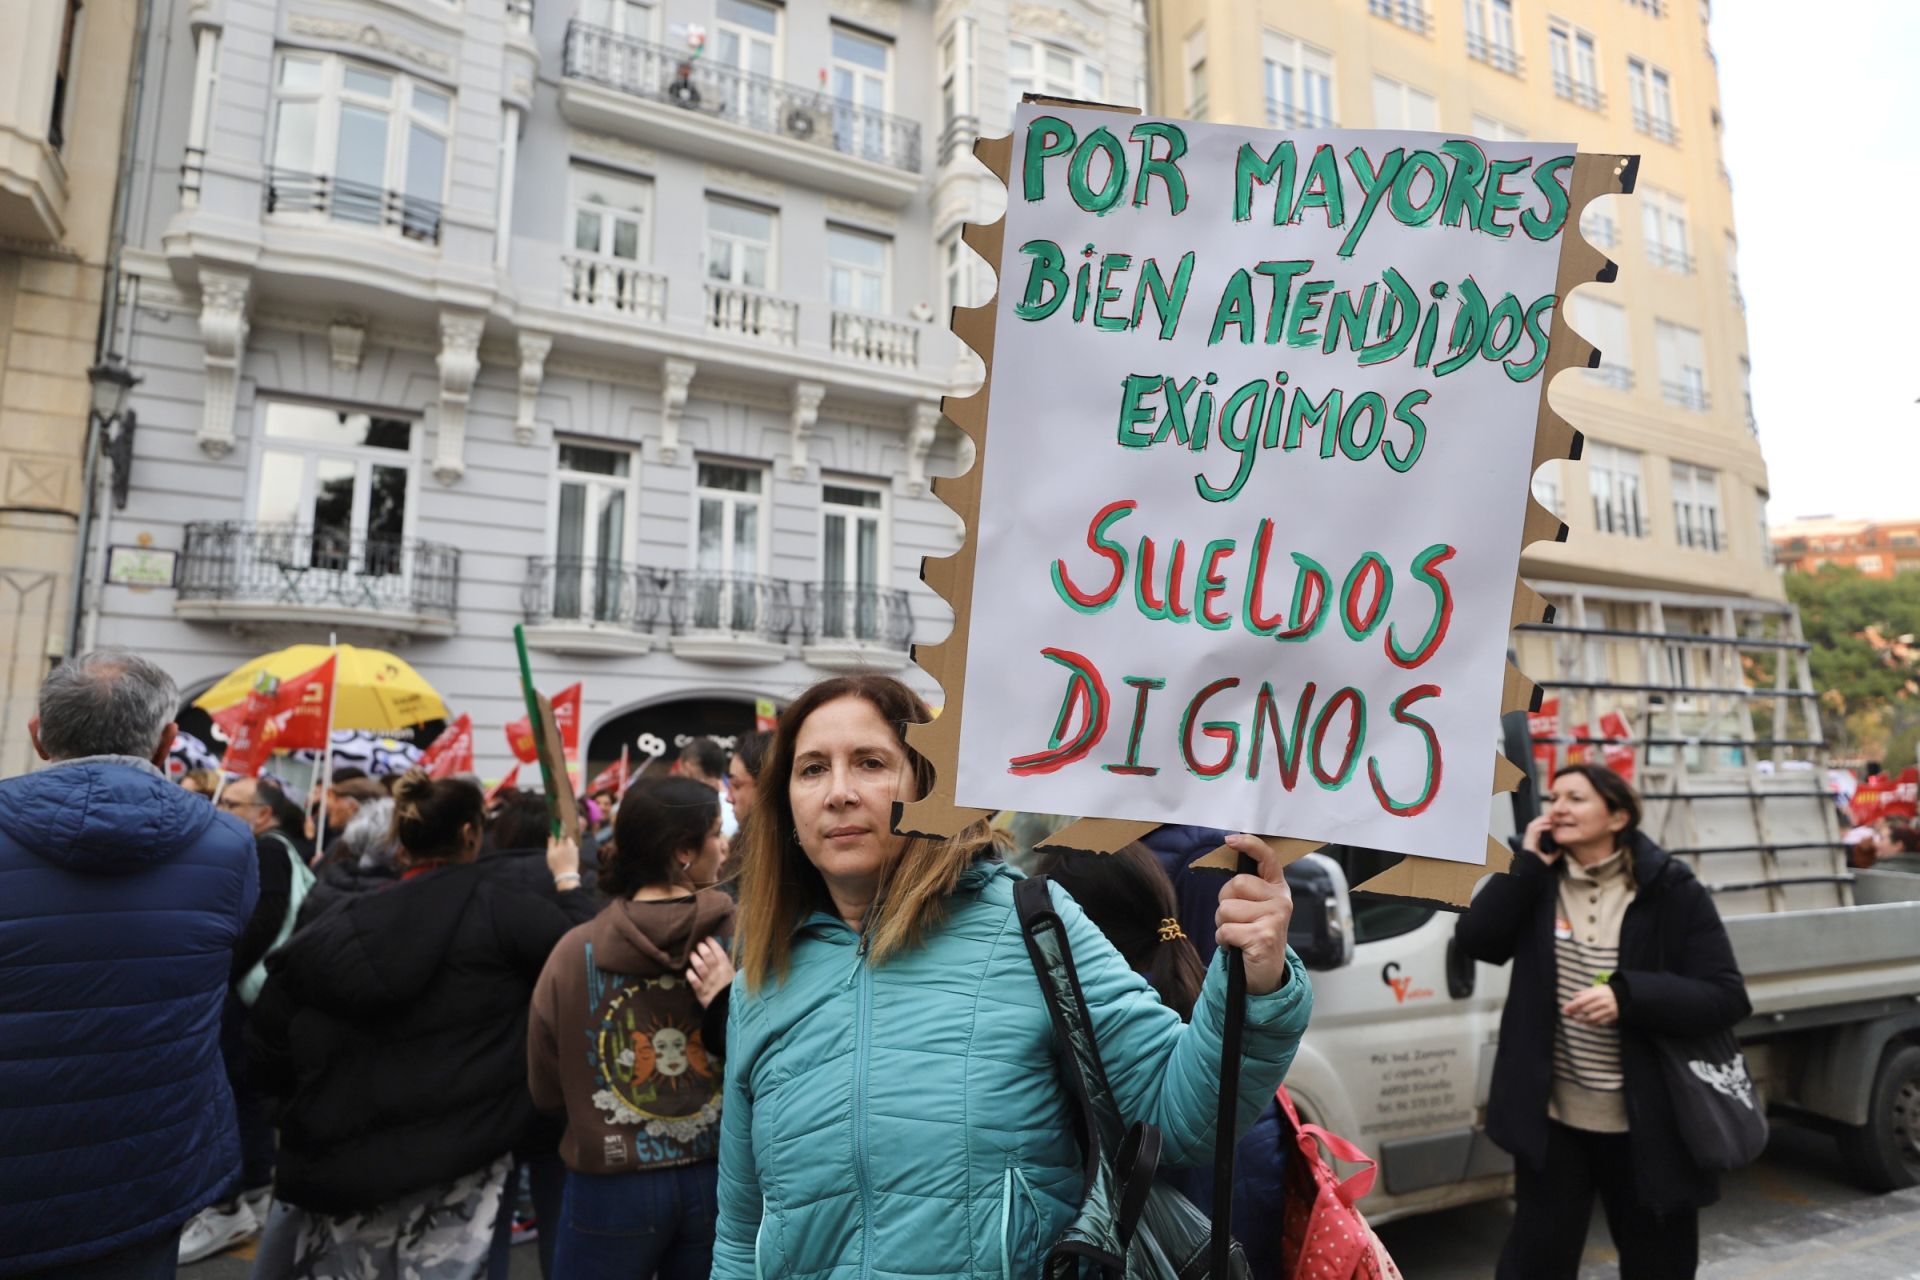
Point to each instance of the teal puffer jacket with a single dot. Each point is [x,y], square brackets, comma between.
[906,1119]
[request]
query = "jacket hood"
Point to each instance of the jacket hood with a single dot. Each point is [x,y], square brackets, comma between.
[378,950]
[103,815]
[648,939]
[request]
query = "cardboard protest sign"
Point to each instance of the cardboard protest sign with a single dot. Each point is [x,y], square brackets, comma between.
[1254,455]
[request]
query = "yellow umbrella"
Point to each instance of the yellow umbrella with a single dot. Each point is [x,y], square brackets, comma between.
[373,690]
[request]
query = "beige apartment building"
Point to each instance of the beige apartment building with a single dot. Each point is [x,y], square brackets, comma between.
[1666,509]
[63,84]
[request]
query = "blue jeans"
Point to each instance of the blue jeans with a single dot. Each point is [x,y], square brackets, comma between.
[656,1222]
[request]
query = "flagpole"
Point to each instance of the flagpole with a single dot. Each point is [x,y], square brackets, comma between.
[326,755]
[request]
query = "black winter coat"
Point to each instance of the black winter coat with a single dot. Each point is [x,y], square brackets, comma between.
[1676,975]
[392,1033]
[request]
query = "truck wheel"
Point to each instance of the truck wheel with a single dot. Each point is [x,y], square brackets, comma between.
[1884,1153]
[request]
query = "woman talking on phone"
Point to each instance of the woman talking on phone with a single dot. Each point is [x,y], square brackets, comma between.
[1613,942]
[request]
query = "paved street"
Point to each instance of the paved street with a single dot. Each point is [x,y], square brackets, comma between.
[1795,1213]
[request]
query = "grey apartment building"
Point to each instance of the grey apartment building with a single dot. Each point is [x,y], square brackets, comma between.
[622,320]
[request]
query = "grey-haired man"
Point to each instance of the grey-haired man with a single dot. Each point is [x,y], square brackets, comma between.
[121,897]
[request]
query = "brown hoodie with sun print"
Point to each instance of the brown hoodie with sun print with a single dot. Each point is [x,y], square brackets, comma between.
[614,1038]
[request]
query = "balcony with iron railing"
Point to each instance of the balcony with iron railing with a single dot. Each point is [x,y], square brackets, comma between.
[1282,116]
[1697,529]
[1578,92]
[666,96]
[355,203]
[252,573]
[1658,127]
[583,605]
[851,627]
[1411,14]
[1501,57]
[1670,257]
[1617,376]
[1685,395]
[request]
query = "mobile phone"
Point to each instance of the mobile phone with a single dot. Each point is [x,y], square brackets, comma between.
[1548,844]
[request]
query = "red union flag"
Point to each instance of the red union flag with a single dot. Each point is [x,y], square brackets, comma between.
[278,715]
[452,751]
[612,778]
[520,739]
[566,718]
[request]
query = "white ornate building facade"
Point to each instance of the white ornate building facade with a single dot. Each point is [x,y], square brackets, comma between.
[623,320]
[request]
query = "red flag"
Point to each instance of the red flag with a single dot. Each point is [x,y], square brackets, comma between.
[566,718]
[505,785]
[1617,754]
[278,715]
[452,751]
[612,778]
[520,738]
[1544,726]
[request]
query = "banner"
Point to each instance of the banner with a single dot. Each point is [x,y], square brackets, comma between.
[766,717]
[505,785]
[452,751]
[566,716]
[1250,524]
[520,740]
[1544,728]
[278,715]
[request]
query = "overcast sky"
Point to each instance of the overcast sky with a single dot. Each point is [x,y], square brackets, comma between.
[1822,103]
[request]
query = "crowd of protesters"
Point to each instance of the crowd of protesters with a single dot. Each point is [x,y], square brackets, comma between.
[364,1057]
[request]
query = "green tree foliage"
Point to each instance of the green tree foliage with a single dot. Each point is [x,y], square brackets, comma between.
[1865,659]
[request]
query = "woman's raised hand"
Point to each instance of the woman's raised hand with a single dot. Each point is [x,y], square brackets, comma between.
[709,970]
[1530,841]
[1253,916]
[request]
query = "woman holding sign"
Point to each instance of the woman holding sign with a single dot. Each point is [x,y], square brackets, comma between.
[1614,944]
[891,1100]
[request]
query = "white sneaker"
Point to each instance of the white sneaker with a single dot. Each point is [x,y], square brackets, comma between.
[217,1228]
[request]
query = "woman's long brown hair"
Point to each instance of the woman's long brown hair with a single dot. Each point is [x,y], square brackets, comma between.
[780,887]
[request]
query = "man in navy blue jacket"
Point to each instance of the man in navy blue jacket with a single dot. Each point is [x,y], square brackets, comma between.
[121,897]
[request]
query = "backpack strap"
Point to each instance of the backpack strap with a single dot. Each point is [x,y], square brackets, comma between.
[1101,1231]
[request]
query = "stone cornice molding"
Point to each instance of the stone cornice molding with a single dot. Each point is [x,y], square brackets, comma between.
[374,39]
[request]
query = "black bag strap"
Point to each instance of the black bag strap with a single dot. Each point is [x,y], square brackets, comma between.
[1137,1153]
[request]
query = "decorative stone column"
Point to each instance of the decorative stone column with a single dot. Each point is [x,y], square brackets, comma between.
[459,366]
[223,332]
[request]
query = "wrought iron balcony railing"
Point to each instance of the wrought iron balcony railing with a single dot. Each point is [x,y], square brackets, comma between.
[1578,92]
[1685,395]
[741,604]
[806,117]
[343,201]
[573,589]
[1501,57]
[1670,257]
[1619,377]
[1282,116]
[294,567]
[1411,14]
[866,615]
[1655,126]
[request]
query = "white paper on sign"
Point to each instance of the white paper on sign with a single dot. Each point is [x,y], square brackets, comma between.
[1251,512]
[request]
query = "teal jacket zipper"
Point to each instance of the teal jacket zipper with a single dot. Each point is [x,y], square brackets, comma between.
[863,1047]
